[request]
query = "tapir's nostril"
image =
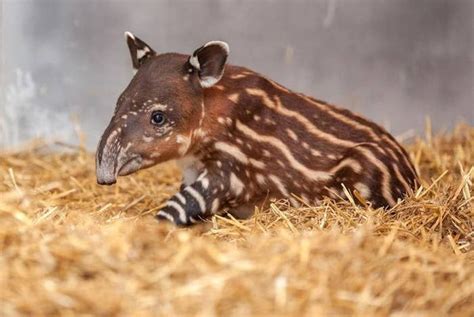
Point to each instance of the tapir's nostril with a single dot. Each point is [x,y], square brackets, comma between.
[106,181]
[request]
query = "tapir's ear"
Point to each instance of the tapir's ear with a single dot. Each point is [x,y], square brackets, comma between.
[209,61]
[139,50]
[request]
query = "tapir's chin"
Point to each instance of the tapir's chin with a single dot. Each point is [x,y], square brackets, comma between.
[130,166]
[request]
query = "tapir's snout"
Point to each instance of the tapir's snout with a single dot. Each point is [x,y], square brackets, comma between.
[107,156]
[105,163]
[113,159]
[104,178]
[123,164]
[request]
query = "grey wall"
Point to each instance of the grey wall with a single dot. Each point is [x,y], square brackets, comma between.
[396,61]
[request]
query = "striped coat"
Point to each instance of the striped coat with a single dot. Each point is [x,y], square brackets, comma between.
[241,138]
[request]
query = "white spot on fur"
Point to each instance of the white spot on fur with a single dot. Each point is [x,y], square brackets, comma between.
[205,182]
[157,106]
[257,164]
[234,97]
[236,185]
[199,133]
[203,113]
[215,205]
[185,143]
[292,134]
[260,179]
[363,189]
[279,184]
[269,121]
[315,152]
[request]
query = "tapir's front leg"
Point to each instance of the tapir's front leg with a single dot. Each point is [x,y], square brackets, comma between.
[196,201]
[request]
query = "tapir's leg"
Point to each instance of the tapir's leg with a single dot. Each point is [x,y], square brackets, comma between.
[199,200]
[376,183]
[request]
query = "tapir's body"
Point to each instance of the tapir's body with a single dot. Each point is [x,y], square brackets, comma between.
[241,138]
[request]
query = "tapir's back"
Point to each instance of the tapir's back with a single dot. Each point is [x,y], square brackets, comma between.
[310,147]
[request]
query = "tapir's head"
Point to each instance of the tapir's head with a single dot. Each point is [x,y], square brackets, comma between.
[160,110]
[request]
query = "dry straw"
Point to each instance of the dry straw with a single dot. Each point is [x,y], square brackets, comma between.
[71,247]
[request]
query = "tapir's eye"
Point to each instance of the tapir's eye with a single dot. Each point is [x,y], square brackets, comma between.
[158,118]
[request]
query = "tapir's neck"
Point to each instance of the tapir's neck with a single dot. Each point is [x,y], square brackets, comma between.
[228,100]
[236,97]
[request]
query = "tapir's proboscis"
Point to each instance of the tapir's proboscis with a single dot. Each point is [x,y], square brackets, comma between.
[241,138]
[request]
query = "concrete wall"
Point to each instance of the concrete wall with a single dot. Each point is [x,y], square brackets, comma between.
[396,61]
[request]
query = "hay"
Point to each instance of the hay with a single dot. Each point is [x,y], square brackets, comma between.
[69,246]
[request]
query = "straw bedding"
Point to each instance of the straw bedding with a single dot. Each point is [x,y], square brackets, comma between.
[70,247]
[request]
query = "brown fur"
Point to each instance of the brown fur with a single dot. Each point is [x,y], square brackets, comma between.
[245,138]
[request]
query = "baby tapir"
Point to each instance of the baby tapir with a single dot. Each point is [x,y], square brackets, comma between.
[241,138]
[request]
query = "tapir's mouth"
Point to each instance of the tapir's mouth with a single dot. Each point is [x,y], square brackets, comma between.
[107,174]
[130,166]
